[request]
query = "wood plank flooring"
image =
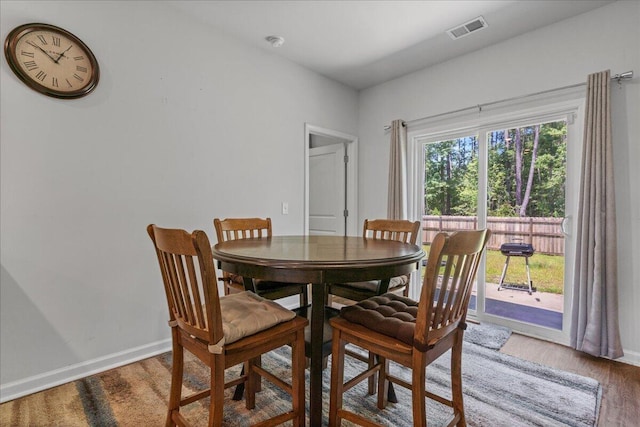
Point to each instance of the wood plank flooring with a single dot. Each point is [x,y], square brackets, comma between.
[620,382]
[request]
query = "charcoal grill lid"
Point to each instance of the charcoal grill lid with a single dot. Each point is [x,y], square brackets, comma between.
[517,249]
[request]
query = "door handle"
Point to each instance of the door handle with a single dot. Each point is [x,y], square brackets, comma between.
[563,225]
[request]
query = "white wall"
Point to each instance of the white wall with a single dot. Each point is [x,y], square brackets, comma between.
[185,125]
[555,56]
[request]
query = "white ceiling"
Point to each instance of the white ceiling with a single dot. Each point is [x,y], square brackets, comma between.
[364,43]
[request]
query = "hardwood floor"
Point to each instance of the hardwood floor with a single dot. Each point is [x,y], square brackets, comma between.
[620,382]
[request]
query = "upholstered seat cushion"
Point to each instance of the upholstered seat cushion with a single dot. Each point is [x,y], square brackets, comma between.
[372,285]
[245,313]
[389,314]
[238,282]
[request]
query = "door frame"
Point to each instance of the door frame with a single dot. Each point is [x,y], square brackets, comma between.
[352,174]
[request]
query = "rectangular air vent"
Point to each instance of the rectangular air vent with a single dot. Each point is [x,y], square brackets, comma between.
[467,28]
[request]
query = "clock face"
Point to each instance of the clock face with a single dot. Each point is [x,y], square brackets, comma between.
[51,60]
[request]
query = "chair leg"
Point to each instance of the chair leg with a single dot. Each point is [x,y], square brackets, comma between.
[250,384]
[216,406]
[239,391]
[383,382]
[298,380]
[257,377]
[372,378]
[337,378]
[177,368]
[418,389]
[304,296]
[456,379]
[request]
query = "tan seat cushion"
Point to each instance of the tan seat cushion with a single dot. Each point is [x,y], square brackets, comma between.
[245,313]
[372,285]
[238,282]
[389,314]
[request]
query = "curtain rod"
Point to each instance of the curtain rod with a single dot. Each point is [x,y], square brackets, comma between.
[627,75]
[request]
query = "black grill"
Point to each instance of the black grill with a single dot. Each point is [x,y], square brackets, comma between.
[517,249]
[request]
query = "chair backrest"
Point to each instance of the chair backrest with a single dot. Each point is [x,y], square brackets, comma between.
[392,229]
[241,228]
[448,281]
[190,282]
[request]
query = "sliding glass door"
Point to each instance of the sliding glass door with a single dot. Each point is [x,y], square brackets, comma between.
[511,177]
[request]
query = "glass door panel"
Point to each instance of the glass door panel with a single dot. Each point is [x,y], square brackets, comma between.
[450,197]
[526,176]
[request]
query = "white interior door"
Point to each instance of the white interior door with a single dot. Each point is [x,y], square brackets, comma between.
[333,194]
[327,190]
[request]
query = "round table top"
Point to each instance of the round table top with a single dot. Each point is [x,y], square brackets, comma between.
[335,257]
[317,250]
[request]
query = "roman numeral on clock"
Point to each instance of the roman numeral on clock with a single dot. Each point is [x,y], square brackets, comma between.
[30,65]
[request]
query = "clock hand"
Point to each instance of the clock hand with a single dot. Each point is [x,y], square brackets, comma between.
[43,51]
[62,54]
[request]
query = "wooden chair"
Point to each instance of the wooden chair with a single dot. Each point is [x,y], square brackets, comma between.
[245,228]
[222,331]
[383,229]
[427,330]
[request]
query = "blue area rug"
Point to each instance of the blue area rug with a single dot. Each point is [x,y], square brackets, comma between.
[499,389]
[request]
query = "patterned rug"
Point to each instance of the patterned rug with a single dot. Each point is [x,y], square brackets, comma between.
[500,390]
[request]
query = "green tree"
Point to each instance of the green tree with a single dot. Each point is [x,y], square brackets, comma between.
[446,166]
[526,173]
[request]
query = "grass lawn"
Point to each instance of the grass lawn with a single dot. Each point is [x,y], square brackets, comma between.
[547,271]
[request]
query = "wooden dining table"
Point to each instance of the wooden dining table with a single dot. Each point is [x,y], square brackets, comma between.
[318,260]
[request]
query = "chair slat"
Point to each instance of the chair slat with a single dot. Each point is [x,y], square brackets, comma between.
[179,308]
[195,296]
[184,289]
[162,258]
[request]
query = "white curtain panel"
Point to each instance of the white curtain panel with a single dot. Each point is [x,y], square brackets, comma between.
[595,327]
[397,194]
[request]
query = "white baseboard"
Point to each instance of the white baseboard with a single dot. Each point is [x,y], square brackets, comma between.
[36,383]
[630,357]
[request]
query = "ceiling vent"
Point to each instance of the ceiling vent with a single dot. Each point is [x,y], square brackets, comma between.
[465,29]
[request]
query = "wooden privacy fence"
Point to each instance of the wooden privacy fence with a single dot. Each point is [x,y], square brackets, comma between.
[545,234]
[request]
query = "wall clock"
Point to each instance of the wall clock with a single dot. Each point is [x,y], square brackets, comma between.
[51,60]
